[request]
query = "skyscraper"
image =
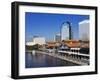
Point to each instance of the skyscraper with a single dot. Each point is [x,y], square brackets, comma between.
[66,33]
[84,30]
[57,38]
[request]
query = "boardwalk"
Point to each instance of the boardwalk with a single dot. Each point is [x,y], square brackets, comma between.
[67,58]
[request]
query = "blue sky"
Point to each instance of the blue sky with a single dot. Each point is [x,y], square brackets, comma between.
[47,24]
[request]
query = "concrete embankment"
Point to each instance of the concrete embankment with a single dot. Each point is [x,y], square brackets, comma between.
[79,62]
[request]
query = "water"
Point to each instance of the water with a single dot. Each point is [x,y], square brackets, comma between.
[42,60]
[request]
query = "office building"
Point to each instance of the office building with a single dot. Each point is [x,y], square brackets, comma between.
[84,30]
[57,38]
[66,31]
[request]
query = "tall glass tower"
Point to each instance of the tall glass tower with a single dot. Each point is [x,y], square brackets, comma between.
[66,33]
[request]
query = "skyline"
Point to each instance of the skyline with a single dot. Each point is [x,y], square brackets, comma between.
[47,25]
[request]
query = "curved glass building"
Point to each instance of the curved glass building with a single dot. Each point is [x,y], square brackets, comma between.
[66,31]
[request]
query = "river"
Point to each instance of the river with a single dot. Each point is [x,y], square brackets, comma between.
[42,60]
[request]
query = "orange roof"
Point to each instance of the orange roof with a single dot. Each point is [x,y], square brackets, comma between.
[53,44]
[85,46]
[72,45]
[71,40]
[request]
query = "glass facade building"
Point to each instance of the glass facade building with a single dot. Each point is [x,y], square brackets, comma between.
[66,33]
[57,38]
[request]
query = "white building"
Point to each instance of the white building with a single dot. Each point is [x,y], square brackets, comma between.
[84,30]
[30,43]
[65,31]
[37,40]
[57,38]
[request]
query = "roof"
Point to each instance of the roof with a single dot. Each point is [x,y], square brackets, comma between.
[72,45]
[53,44]
[85,46]
[71,41]
[84,21]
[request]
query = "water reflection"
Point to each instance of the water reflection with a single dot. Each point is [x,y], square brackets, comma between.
[42,60]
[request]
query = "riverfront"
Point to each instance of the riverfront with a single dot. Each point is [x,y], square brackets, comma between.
[56,43]
[44,60]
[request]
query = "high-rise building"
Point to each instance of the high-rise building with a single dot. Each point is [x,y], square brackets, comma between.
[57,38]
[66,33]
[84,30]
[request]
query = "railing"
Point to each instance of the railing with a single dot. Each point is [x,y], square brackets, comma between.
[75,53]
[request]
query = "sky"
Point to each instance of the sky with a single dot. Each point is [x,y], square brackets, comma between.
[47,25]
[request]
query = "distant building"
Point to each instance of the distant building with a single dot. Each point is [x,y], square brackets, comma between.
[37,40]
[66,33]
[30,43]
[57,38]
[84,30]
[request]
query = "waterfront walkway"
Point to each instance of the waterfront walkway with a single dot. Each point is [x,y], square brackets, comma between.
[69,58]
